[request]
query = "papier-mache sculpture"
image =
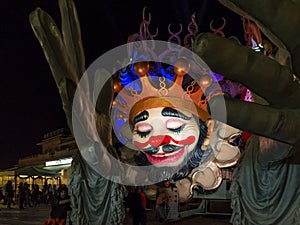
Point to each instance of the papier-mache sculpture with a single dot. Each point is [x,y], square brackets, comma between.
[168,109]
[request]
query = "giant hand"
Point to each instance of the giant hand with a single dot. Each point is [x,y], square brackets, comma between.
[265,183]
[65,56]
[277,84]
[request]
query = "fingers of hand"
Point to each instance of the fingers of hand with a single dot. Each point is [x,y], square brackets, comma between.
[257,72]
[279,124]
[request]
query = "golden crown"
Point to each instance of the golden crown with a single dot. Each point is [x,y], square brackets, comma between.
[182,92]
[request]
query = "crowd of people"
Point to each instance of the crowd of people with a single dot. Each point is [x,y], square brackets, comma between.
[24,196]
[27,196]
[137,203]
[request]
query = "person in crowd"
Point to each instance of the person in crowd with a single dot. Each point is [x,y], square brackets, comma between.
[54,189]
[35,195]
[162,202]
[9,193]
[45,193]
[60,205]
[143,196]
[50,193]
[136,201]
[21,195]
[1,194]
[129,192]
[27,191]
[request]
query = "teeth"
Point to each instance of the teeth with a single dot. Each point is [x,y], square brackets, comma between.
[166,155]
[161,156]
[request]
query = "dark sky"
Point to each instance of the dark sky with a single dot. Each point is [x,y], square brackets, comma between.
[30,103]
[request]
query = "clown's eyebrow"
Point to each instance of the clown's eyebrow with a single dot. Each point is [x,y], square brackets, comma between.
[174,113]
[141,117]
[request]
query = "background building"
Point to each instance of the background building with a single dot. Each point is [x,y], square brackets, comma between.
[52,165]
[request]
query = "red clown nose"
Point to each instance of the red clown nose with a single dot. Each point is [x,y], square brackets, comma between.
[159,140]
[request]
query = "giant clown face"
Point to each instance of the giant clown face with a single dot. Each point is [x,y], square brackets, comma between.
[166,136]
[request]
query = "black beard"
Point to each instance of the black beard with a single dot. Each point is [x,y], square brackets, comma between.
[195,158]
[174,172]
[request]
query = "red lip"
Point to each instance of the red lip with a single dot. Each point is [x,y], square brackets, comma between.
[159,158]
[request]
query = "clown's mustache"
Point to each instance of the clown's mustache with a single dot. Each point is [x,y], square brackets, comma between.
[165,148]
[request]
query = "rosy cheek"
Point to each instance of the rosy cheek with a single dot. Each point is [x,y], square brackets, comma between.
[140,145]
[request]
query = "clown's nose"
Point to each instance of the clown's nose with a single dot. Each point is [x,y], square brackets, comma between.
[159,140]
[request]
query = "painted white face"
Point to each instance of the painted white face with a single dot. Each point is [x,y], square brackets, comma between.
[165,135]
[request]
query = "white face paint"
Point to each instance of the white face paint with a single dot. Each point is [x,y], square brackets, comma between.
[166,140]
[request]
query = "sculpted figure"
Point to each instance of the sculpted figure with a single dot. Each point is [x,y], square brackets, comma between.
[185,134]
[265,181]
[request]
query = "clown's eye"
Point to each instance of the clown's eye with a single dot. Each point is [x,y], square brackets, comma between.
[175,125]
[143,134]
[176,130]
[143,129]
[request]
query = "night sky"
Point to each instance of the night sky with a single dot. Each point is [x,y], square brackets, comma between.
[30,103]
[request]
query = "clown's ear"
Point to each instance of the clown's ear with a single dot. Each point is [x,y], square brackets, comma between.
[210,127]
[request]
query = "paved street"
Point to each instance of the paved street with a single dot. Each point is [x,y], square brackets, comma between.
[209,219]
[37,216]
[197,220]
